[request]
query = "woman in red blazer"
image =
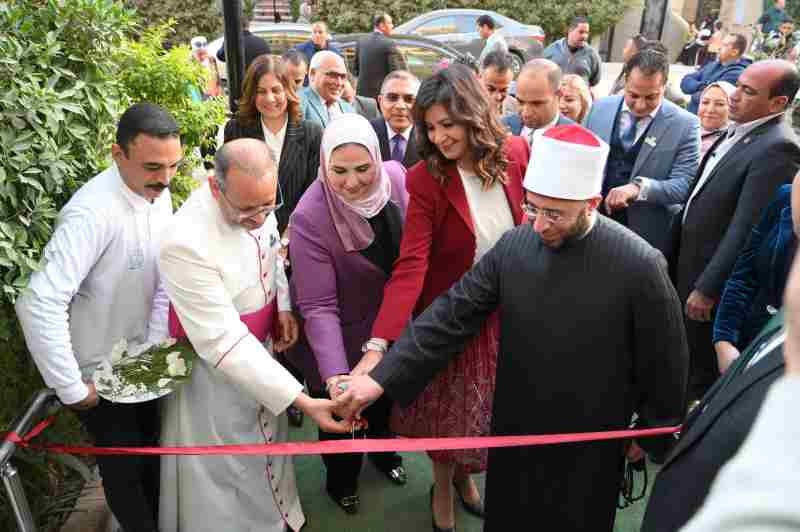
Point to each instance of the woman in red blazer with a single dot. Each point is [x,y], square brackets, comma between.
[463,195]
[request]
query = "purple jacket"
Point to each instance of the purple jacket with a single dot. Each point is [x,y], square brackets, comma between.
[336,294]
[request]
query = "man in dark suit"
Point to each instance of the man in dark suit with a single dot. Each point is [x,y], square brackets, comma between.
[538,92]
[376,56]
[655,150]
[254,45]
[737,179]
[714,431]
[395,129]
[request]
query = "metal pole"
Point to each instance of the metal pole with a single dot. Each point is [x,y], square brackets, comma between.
[234,49]
[39,404]
[17,499]
[653,17]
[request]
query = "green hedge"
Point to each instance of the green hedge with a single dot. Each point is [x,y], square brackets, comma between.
[67,70]
[552,15]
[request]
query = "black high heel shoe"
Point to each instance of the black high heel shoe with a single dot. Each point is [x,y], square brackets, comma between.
[475,508]
[433,519]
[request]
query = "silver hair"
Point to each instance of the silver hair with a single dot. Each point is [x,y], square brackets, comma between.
[401,74]
[321,56]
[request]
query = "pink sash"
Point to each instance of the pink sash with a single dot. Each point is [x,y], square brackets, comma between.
[260,323]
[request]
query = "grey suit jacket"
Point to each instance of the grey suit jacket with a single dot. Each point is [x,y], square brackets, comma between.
[313,108]
[669,157]
[757,490]
[730,202]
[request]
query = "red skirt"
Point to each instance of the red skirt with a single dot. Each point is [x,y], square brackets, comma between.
[458,402]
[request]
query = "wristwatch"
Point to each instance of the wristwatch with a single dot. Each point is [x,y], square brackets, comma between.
[642,184]
[375,344]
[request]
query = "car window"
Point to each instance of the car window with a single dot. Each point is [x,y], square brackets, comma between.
[437,26]
[280,41]
[421,61]
[467,23]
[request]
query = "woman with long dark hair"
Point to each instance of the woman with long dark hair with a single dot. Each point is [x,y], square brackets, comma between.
[463,195]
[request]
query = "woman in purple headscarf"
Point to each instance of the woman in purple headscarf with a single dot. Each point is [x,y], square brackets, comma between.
[345,235]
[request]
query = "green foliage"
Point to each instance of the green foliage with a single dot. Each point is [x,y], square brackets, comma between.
[148,72]
[552,15]
[67,70]
[192,17]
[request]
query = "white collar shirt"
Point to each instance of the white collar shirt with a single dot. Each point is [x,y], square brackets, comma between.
[526,131]
[275,141]
[99,283]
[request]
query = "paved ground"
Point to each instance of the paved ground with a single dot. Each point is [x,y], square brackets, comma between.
[389,508]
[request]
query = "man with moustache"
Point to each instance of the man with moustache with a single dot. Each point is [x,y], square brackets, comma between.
[538,94]
[574,290]
[395,129]
[100,284]
[322,100]
[230,297]
[737,179]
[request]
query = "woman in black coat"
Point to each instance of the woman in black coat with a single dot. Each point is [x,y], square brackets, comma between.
[269,110]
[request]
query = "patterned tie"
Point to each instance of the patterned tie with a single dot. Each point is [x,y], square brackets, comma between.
[530,137]
[628,137]
[398,148]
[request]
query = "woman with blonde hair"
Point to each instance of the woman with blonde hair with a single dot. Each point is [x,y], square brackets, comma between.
[463,195]
[576,100]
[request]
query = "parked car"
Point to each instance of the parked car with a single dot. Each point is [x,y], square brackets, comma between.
[422,55]
[458,29]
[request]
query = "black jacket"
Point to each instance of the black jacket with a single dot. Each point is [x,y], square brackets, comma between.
[254,46]
[376,56]
[411,157]
[711,436]
[299,162]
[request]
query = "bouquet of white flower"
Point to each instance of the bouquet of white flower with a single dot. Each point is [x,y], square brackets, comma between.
[142,373]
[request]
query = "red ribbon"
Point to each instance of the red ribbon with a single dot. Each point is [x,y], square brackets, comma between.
[343,446]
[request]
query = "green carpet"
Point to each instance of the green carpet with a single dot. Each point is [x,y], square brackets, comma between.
[386,507]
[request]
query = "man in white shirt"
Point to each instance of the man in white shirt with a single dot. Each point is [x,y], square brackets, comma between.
[395,130]
[322,100]
[225,279]
[99,284]
[538,94]
[487,29]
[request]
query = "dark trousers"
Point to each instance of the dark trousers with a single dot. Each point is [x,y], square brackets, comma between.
[131,483]
[343,470]
[703,367]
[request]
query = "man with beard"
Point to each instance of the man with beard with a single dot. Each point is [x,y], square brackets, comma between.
[575,290]
[320,40]
[573,53]
[100,284]
[396,129]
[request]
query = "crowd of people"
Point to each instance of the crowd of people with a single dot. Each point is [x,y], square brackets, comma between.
[443,258]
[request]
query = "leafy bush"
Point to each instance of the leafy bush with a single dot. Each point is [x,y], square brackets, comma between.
[148,72]
[67,70]
[58,103]
[198,17]
[552,15]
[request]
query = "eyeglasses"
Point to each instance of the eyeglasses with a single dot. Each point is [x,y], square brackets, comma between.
[199,43]
[243,214]
[339,76]
[393,97]
[533,212]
